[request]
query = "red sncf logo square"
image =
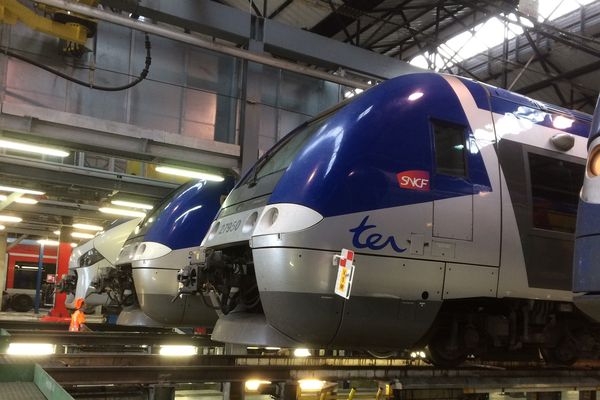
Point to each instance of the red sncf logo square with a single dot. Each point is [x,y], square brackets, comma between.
[414,180]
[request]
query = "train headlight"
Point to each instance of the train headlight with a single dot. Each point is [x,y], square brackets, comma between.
[286,217]
[594,162]
[250,222]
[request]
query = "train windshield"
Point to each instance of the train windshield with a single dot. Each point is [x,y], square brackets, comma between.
[282,154]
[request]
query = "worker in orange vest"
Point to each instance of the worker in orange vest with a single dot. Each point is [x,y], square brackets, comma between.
[78,317]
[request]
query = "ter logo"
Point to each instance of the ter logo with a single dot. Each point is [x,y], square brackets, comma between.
[414,180]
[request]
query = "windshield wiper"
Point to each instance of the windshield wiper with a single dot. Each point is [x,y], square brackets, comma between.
[257,167]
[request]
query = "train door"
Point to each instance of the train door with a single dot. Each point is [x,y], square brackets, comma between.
[466,211]
[465,172]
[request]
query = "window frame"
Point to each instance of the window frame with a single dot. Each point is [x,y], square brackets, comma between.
[527,150]
[465,128]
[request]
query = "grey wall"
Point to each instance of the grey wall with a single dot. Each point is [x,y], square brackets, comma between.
[189,91]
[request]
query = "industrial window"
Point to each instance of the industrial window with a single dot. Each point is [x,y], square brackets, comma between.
[26,274]
[450,155]
[555,186]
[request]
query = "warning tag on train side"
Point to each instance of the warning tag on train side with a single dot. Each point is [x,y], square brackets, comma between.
[343,283]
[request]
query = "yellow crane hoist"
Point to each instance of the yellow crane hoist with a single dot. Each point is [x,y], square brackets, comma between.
[72,28]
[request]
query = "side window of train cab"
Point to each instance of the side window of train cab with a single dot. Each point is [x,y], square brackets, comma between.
[555,185]
[450,148]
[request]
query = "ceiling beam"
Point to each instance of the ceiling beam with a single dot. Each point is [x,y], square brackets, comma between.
[574,73]
[84,177]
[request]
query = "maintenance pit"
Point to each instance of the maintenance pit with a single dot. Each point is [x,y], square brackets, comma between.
[118,363]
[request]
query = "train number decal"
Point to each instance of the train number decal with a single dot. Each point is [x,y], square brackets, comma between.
[414,180]
[230,227]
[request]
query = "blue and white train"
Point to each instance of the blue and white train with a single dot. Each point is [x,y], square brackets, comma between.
[586,268]
[164,242]
[459,200]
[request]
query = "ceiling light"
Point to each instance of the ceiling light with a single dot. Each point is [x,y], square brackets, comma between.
[2,227]
[22,200]
[87,227]
[26,200]
[252,385]
[301,353]
[74,245]
[9,218]
[82,235]
[132,204]
[57,232]
[30,349]
[178,350]
[48,242]
[32,148]
[188,173]
[21,190]
[311,384]
[122,212]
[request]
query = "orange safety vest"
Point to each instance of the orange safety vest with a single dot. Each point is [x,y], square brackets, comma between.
[77,318]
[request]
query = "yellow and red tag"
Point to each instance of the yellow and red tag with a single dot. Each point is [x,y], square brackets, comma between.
[343,283]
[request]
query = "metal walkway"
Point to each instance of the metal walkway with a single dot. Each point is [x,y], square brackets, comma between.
[124,369]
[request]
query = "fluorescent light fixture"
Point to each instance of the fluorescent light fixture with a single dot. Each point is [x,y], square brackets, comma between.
[82,235]
[57,232]
[122,212]
[2,227]
[188,173]
[26,200]
[22,200]
[30,349]
[309,385]
[132,204]
[178,350]
[21,190]
[301,353]
[28,267]
[48,242]
[87,227]
[252,385]
[73,245]
[9,218]
[32,148]
[272,348]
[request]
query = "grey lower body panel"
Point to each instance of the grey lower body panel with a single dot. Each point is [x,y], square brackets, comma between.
[249,329]
[187,311]
[135,317]
[385,309]
[359,322]
[308,319]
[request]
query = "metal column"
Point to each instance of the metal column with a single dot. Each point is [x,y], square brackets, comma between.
[3,261]
[251,100]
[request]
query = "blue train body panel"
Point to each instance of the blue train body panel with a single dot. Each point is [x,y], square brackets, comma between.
[334,175]
[183,218]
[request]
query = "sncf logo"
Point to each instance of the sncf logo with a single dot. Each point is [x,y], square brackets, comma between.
[414,180]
